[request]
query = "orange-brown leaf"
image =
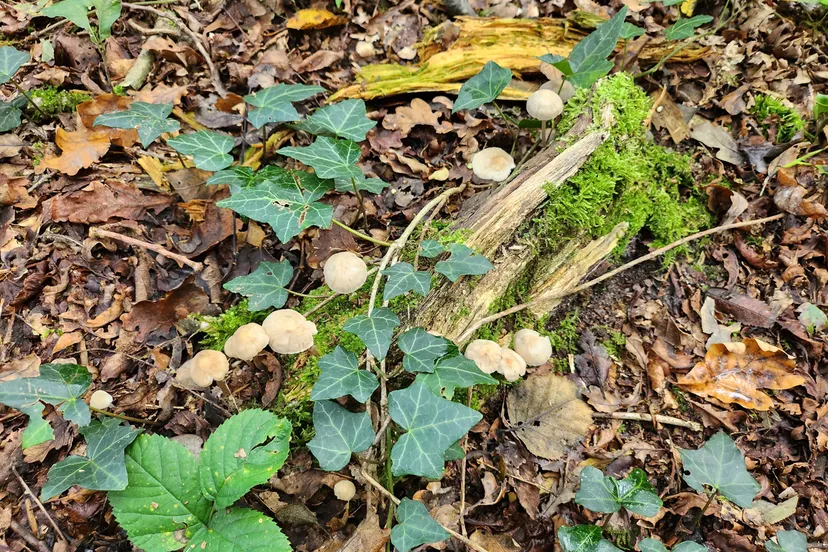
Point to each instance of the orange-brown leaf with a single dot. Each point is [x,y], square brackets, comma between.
[108,103]
[80,149]
[315,19]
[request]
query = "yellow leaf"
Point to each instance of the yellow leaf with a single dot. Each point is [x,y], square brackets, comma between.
[80,150]
[315,19]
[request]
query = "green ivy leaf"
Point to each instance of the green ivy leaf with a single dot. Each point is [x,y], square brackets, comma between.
[584,538]
[329,157]
[240,530]
[607,494]
[430,248]
[421,349]
[339,433]
[432,425]
[559,62]
[61,385]
[210,150]
[463,262]
[375,330]
[102,469]
[10,61]
[454,452]
[345,119]
[402,278]
[265,286]
[685,27]
[340,375]
[812,317]
[721,466]
[150,120]
[274,103]
[77,11]
[652,545]
[245,451]
[453,372]
[10,116]
[370,185]
[287,201]
[163,495]
[236,177]
[788,541]
[415,527]
[630,31]
[482,88]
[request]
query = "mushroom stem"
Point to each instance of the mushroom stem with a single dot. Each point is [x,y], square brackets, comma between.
[226,390]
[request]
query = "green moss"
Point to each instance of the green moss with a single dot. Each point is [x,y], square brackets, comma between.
[564,339]
[615,343]
[54,101]
[442,232]
[770,111]
[218,329]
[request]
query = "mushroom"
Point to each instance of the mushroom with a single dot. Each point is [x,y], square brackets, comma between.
[289,331]
[492,164]
[484,353]
[544,105]
[344,490]
[345,272]
[100,400]
[247,342]
[365,49]
[535,348]
[512,365]
[204,368]
[565,90]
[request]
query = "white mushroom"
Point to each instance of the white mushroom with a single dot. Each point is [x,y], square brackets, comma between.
[565,91]
[484,353]
[492,164]
[100,400]
[535,348]
[204,368]
[365,49]
[344,490]
[289,331]
[512,365]
[345,272]
[544,105]
[247,342]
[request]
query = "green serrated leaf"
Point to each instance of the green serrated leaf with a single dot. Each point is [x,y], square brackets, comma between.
[607,494]
[339,433]
[329,157]
[370,185]
[210,150]
[588,58]
[463,262]
[61,385]
[482,88]
[274,103]
[77,11]
[421,349]
[375,330]
[584,538]
[430,248]
[340,375]
[344,119]
[630,31]
[652,545]
[102,469]
[685,27]
[787,541]
[287,206]
[720,466]
[150,120]
[10,61]
[246,450]
[240,530]
[402,278]
[10,116]
[453,372]
[415,527]
[265,286]
[163,495]
[432,425]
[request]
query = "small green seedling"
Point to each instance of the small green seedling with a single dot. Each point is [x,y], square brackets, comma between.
[584,538]
[608,495]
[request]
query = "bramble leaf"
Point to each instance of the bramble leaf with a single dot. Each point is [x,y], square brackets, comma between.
[375,330]
[584,538]
[150,120]
[432,425]
[652,545]
[421,349]
[210,150]
[607,494]
[415,527]
[720,465]
[339,433]
[453,372]
[102,469]
[340,376]
[685,27]
[77,11]
[402,278]
[240,530]
[10,116]
[329,157]
[265,286]
[482,88]
[274,103]
[430,248]
[788,541]
[10,61]
[345,119]
[463,262]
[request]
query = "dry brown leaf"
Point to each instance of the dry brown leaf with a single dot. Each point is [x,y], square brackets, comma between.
[162,94]
[418,113]
[13,192]
[10,145]
[26,367]
[150,316]
[791,199]
[81,149]
[110,314]
[67,340]
[314,19]
[108,103]
[100,202]
[736,373]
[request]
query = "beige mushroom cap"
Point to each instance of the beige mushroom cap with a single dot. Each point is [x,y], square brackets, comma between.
[247,342]
[204,368]
[565,91]
[365,49]
[345,272]
[344,490]
[544,105]
[100,399]
[535,348]
[289,331]
[484,353]
[492,164]
[512,365]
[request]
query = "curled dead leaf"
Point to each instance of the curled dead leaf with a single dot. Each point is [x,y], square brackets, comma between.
[80,150]
[314,19]
[791,199]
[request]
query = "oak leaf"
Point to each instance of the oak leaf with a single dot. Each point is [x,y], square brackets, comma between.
[737,372]
[80,150]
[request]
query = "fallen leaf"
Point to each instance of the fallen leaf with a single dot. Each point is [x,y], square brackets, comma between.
[594,363]
[26,367]
[314,19]
[10,145]
[711,326]
[714,136]
[13,191]
[743,308]
[317,60]
[791,199]
[80,150]
[101,202]
[67,340]
[668,115]
[162,94]
[108,103]
[419,112]
[149,317]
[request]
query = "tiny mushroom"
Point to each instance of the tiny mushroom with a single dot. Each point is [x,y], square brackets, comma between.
[535,348]
[365,49]
[544,105]
[100,400]
[344,490]
[565,90]
[512,365]
[345,272]
[484,353]
[247,342]
[289,331]
[204,368]
[492,164]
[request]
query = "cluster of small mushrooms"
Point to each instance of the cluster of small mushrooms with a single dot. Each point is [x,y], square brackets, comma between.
[530,348]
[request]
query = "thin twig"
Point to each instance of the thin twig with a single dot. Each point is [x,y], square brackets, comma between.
[40,505]
[29,99]
[122,417]
[360,235]
[635,416]
[27,536]
[100,233]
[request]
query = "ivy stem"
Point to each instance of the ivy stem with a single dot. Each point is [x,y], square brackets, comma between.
[120,416]
[707,504]
[181,159]
[360,235]
[29,99]
[307,295]
[361,205]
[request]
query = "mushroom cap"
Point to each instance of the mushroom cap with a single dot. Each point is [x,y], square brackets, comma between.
[535,348]
[344,490]
[247,342]
[289,331]
[204,368]
[484,353]
[365,49]
[492,164]
[565,91]
[512,365]
[100,399]
[345,272]
[544,105]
